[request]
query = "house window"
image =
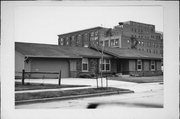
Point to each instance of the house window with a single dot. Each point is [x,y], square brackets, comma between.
[139,65]
[105,65]
[84,65]
[106,43]
[152,65]
[112,42]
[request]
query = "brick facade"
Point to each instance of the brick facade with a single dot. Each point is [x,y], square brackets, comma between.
[120,36]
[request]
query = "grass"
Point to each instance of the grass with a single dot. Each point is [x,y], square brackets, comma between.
[50,94]
[35,86]
[139,79]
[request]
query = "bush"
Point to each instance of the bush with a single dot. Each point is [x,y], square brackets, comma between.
[86,75]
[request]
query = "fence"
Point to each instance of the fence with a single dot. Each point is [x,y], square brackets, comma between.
[24,75]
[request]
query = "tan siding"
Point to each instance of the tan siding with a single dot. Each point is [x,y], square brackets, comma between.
[19,63]
[158,65]
[132,65]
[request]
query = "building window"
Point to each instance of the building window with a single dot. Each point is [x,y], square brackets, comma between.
[92,33]
[105,65]
[62,41]
[112,42]
[139,65]
[116,42]
[152,65]
[96,33]
[84,65]
[96,38]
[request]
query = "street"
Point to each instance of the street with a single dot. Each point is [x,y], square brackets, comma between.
[146,95]
[123,100]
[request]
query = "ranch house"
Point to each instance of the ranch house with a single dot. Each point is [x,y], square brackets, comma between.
[77,61]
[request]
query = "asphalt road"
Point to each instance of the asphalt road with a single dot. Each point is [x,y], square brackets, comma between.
[143,99]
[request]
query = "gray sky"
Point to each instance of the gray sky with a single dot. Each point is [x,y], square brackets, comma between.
[42,24]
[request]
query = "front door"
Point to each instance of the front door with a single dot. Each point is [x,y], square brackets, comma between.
[119,66]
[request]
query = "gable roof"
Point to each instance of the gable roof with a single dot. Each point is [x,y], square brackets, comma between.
[125,53]
[55,51]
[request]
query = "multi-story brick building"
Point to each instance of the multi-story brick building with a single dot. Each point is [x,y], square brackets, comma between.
[84,38]
[131,35]
[135,35]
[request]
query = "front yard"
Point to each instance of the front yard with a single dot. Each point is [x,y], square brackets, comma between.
[152,79]
[36,86]
[52,94]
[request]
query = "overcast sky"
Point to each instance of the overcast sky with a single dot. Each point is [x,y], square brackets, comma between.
[42,24]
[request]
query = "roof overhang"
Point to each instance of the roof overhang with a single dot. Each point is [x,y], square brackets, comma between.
[66,57]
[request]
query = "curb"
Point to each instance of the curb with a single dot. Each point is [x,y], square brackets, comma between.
[70,97]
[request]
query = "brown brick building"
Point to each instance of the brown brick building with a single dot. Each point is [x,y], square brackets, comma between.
[131,35]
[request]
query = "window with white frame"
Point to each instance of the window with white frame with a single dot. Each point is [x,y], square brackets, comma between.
[152,65]
[105,65]
[139,65]
[84,65]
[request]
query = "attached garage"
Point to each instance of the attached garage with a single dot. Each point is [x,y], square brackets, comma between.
[50,65]
[42,58]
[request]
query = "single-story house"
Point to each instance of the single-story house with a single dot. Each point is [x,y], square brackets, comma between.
[134,62]
[72,61]
[76,61]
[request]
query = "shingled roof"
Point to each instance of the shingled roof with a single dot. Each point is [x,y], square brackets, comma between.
[55,51]
[125,53]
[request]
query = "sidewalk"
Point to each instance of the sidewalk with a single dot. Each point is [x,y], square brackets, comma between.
[44,90]
[136,87]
